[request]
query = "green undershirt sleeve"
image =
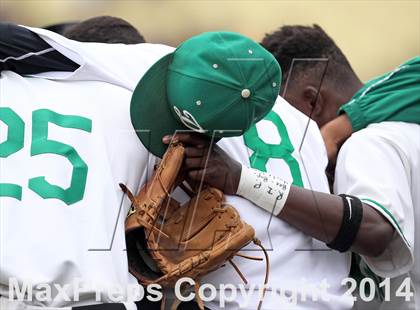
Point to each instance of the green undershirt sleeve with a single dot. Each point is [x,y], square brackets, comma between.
[394,96]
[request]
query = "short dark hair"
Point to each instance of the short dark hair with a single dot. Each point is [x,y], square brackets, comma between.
[296,41]
[60,28]
[104,29]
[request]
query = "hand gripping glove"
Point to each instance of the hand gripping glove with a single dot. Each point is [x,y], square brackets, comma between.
[167,241]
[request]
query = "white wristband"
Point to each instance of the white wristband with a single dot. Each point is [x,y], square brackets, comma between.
[263,189]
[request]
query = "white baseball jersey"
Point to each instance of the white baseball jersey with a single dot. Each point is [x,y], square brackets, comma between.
[380,165]
[64,148]
[299,264]
[301,267]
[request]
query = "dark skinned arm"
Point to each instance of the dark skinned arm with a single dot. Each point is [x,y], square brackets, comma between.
[319,215]
[316,214]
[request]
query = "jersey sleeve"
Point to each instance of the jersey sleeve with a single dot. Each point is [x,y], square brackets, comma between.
[24,52]
[42,53]
[118,64]
[394,96]
[372,169]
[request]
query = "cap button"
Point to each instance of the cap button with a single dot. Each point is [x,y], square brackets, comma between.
[245,93]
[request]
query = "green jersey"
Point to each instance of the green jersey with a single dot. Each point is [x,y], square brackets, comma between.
[394,96]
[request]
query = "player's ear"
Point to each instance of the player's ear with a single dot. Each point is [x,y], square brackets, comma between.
[313,100]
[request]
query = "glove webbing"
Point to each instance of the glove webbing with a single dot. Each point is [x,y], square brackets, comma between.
[200,303]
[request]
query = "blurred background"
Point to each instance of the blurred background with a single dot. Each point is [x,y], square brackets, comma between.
[376,35]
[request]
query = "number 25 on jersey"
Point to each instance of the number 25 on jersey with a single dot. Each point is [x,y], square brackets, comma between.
[40,144]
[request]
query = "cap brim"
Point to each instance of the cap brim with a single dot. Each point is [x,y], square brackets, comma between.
[150,112]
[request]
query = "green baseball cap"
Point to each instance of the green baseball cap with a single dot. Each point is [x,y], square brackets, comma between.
[215,83]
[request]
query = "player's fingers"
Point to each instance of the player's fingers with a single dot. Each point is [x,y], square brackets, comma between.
[187,138]
[196,175]
[194,163]
[196,152]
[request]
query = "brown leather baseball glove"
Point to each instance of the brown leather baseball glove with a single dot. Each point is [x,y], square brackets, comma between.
[167,241]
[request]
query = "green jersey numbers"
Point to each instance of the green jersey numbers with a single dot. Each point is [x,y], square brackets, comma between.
[12,144]
[262,151]
[40,144]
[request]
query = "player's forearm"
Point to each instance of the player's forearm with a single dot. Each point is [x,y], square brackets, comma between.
[320,216]
[317,214]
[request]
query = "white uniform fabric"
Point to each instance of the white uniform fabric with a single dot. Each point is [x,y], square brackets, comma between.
[44,240]
[118,64]
[380,165]
[51,240]
[297,261]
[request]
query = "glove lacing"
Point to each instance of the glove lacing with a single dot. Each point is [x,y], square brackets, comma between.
[200,303]
[256,241]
